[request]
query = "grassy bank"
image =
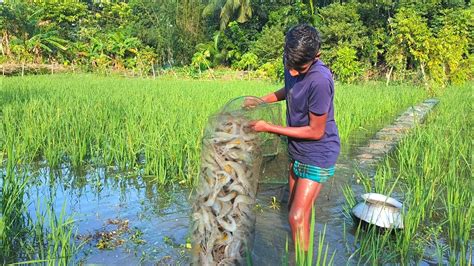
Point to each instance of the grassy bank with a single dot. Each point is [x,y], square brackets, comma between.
[432,172]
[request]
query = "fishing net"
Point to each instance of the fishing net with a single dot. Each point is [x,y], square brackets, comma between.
[223,218]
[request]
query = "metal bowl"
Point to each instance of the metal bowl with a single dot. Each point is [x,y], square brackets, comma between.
[379,210]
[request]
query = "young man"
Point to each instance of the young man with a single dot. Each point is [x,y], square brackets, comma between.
[313,139]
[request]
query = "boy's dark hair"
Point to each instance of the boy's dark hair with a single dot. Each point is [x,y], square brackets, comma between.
[302,43]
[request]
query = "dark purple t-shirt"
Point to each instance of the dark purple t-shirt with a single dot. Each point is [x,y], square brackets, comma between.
[312,92]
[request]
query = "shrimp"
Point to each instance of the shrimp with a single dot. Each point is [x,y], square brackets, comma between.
[219,137]
[230,226]
[239,170]
[242,199]
[228,197]
[223,217]
[235,186]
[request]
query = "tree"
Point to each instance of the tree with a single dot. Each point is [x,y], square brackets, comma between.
[172,28]
[43,44]
[269,45]
[409,42]
[341,25]
[449,56]
[241,10]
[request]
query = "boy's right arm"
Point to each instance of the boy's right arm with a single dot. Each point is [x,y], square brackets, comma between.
[276,96]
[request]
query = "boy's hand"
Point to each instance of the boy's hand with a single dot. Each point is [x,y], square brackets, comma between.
[259,126]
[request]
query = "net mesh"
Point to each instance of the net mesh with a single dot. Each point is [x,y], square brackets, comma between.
[223,218]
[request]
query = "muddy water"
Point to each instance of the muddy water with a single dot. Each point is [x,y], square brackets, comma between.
[149,226]
[157,221]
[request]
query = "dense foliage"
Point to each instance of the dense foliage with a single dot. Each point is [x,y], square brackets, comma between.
[431,42]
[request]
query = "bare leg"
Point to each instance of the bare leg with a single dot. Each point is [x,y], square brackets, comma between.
[305,193]
[308,214]
[291,182]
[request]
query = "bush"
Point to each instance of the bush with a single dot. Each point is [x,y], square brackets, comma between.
[201,60]
[269,46]
[273,70]
[346,66]
[249,61]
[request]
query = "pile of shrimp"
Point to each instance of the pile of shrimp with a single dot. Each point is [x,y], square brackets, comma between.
[223,216]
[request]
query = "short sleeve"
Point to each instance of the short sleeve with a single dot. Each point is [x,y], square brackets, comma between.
[320,96]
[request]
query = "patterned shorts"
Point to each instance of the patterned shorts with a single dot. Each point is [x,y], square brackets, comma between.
[312,172]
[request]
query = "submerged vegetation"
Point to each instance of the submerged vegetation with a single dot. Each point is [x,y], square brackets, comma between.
[431,170]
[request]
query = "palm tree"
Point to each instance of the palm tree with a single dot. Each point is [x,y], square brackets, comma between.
[230,9]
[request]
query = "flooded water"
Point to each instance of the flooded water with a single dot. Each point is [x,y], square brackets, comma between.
[272,228]
[126,219]
[157,221]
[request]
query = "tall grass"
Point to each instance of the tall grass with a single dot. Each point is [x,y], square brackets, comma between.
[431,171]
[153,125]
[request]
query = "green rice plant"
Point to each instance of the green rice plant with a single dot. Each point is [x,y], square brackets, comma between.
[350,200]
[12,208]
[459,205]
[52,240]
[285,258]
[152,125]
[25,237]
[372,246]
[361,110]
[21,236]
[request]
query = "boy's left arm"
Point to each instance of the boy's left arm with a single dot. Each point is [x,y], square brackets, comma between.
[314,131]
[319,100]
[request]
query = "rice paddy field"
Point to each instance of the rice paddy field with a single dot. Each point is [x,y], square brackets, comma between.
[431,171]
[95,167]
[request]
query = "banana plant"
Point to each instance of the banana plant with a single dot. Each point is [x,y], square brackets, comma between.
[44,44]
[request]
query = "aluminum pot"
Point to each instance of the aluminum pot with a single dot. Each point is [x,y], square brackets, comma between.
[379,210]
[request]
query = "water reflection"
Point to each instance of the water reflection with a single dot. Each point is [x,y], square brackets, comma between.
[95,197]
